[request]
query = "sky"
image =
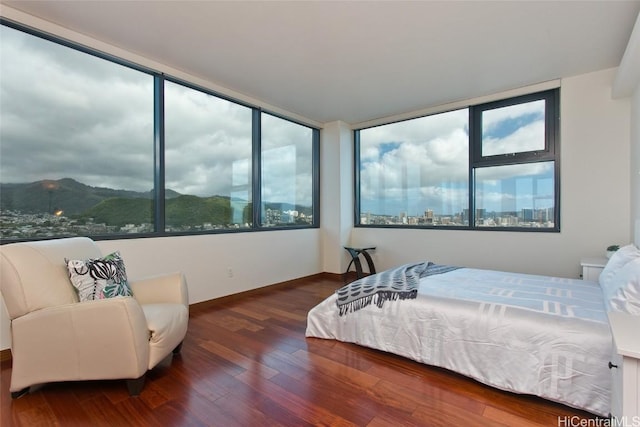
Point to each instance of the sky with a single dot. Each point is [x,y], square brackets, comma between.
[66,114]
[422,164]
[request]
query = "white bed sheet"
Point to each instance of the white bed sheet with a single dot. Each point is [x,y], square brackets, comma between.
[539,335]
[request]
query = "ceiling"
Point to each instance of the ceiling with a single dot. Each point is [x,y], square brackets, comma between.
[359,60]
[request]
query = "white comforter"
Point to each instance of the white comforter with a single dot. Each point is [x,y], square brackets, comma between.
[539,335]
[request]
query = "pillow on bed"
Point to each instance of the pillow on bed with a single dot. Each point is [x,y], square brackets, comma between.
[623,291]
[618,260]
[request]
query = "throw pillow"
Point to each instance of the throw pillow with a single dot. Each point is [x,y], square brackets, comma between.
[99,278]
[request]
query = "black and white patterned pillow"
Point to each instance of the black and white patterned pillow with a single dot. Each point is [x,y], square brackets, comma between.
[99,278]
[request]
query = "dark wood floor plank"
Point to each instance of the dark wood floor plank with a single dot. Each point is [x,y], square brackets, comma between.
[508,418]
[258,408]
[246,362]
[260,317]
[101,414]
[421,386]
[441,413]
[138,414]
[336,371]
[238,359]
[297,403]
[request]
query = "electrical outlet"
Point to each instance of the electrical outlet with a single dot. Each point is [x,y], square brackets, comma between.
[229,272]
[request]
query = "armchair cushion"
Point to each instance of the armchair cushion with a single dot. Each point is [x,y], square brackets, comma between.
[166,288]
[99,278]
[167,324]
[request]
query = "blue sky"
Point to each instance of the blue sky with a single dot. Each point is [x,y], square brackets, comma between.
[422,164]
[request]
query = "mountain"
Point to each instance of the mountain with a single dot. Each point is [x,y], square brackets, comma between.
[120,212]
[68,195]
[103,205]
[181,211]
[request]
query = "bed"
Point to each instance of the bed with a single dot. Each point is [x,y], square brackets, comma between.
[529,334]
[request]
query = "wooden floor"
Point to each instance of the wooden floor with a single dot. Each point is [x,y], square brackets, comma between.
[247,363]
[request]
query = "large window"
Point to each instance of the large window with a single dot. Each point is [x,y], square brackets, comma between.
[93,145]
[208,143]
[287,172]
[489,166]
[77,141]
[415,172]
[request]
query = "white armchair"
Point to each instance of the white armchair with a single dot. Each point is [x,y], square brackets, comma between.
[56,338]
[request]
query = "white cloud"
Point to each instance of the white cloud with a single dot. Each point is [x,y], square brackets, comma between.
[423,164]
[69,114]
[529,137]
[495,117]
[419,164]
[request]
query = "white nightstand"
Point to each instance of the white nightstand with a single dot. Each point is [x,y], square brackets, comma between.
[592,267]
[625,366]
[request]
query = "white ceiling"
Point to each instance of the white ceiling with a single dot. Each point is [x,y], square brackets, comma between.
[359,60]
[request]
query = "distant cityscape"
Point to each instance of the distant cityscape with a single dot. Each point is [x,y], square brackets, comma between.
[18,225]
[66,207]
[526,218]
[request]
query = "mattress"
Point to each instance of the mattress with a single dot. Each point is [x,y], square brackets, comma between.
[529,334]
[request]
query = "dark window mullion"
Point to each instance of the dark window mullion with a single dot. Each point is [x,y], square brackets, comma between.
[316,177]
[256,167]
[513,159]
[159,158]
[356,177]
[553,127]
[473,137]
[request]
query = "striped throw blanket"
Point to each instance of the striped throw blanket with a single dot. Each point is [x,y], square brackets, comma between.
[397,283]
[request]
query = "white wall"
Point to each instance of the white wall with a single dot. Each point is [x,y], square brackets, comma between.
[627,85]
[256,259]
[336,195]
[595,198]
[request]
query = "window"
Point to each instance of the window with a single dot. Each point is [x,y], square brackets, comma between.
[415,172]
[514,166]
[208,143]
[489,166]
[77,142]
[96,146]
[287,173]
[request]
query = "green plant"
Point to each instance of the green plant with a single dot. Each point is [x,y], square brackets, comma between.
[613,248]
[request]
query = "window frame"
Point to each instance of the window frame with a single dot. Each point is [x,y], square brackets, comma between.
[159,149]
[551,152]
[475,124]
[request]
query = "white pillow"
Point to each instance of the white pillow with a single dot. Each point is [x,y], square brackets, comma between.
[623,291]
[619,258]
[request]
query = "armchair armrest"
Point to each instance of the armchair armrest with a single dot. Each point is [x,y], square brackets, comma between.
[168,288]
[88,340]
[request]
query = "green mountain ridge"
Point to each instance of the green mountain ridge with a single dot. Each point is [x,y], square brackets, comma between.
[180,211]
[119,208]
[66,194]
